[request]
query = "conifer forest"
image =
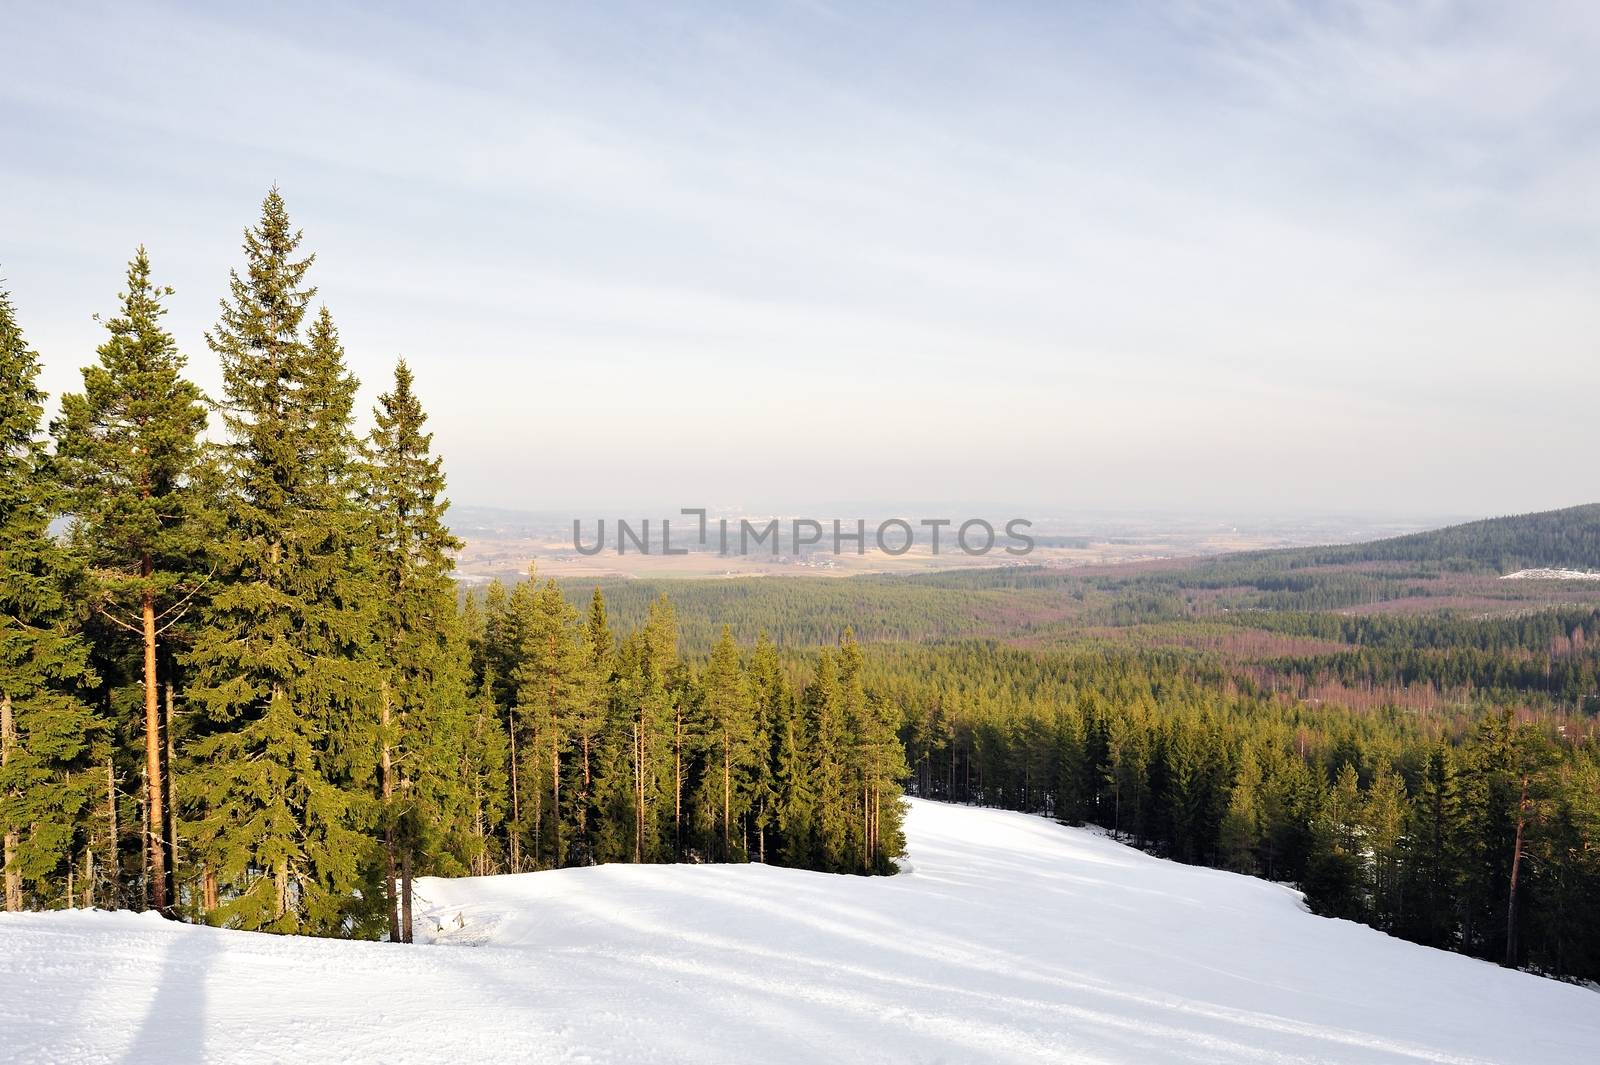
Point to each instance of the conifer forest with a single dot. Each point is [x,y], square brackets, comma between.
[240,684]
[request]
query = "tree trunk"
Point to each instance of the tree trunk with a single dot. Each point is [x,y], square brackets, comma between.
[583,804]
[638,792]
[156,807]
[480,861]
[727,802]
[146,834]
[872,826]
[170,789]
[677,787]
[538,799]
[516,802]
[280,881]
[386,783]
[114,860]
[8,740]
[877,822]
[866,827]
[558,859]
[405,893]
[555,788]
[1516,863]
[280,875]
[877,806]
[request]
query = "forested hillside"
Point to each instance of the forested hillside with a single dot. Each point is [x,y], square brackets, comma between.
[798,611]
[1456,569]
[1455,826]
[1563,539]
[1416,746]
[243,687]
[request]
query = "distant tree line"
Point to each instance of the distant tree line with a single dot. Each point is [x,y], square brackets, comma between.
[878,608]
[1566,538]
[626,751]
[1477,832]
[1278,591]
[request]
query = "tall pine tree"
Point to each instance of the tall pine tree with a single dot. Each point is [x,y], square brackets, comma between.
[597,657]
[730,739]
[129,447]
[283,662]
[46,730]
[423,683]
[549,684]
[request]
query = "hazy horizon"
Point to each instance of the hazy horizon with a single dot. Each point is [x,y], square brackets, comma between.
[911,509]
[1207,258]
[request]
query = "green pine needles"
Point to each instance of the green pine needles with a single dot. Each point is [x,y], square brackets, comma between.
[51,738]
[240,684]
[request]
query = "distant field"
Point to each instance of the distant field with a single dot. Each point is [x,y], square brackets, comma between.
[485,558]
[502,544]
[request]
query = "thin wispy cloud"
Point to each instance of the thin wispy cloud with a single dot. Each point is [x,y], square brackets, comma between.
[1303,256]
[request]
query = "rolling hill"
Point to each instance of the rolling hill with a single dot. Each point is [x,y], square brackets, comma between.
[1559,539]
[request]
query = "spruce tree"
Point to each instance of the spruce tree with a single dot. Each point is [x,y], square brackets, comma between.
[129,448]
[828,767]
[596,658]
[730,733]
[500,649]
[878,757]
[852,694]
[1335,878]
[46,730]
[1531,758]
[1383,820]
[549,685]
[1568,844]
[794,794]
[770,701]
[422,686]
[512,618]
[660,721]
[1432,860]
[1241,825]
[484,769]
[1127,762]
[454,761]
[283,662]
[1072,796]
[1185,793]
[614,789]
[1487,792]
[487,758]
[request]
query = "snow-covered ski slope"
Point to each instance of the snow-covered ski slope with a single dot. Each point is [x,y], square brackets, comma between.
[1010,939]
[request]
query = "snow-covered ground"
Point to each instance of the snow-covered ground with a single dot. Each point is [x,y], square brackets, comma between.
[1552,575]
[1009,939]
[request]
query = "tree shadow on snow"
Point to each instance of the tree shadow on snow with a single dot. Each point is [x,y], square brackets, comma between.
[173,1031]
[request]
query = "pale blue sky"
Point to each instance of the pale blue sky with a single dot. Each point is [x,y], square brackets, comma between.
[1200,255]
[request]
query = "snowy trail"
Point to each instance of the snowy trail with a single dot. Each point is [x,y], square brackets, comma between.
[1011,939]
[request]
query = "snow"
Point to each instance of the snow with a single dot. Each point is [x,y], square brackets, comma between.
[1552,575]
[1009,939]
